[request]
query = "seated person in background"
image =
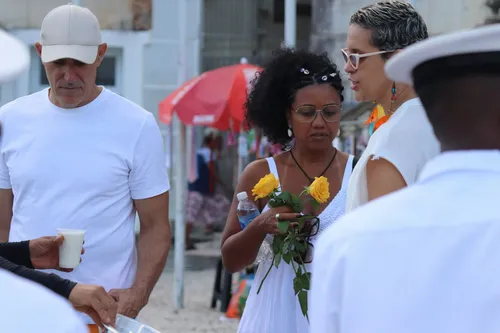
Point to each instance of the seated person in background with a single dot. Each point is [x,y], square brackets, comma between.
[206,203]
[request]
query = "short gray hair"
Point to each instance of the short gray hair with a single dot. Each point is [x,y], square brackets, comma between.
[394,24]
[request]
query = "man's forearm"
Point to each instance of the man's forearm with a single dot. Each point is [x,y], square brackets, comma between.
[6,201]
[4,228]
[152,252]
[4,235]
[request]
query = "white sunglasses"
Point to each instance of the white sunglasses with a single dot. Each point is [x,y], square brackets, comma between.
[354,58]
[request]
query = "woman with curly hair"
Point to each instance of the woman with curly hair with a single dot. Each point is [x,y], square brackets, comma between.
[404,140]
[296,101]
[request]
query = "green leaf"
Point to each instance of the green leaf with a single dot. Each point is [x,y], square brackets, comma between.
[297,285]
[286,246]
[305,281]
[282,199]
[287,257]
[283,226]
[296,203]
[286,197]
[303,302]
[273,203]
[300,247]
[277,244]
[277,260]
[300,282]
[302,221]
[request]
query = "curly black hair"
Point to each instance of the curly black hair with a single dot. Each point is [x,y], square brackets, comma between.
[274,89]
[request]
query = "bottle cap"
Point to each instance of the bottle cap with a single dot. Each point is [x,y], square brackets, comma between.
[242,196]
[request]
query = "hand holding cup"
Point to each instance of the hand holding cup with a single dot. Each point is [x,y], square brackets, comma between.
[45,252]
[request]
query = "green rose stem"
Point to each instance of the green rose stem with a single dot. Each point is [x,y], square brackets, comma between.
[287,245]
[302,299]
[267,273]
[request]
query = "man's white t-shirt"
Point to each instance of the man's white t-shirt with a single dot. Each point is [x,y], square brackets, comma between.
[82,168]
[407,141]
[30,308]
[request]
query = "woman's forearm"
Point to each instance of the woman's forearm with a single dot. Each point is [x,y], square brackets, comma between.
[17,253]
[241,249]
[55,283]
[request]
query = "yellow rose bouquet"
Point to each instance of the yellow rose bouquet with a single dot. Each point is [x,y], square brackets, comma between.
[292,243]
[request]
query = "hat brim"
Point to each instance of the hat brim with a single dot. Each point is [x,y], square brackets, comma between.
[14,58]
[83,53]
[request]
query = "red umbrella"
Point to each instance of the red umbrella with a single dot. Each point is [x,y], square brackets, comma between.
[215,98]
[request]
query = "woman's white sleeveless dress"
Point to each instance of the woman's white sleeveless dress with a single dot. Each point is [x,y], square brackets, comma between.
[276,308]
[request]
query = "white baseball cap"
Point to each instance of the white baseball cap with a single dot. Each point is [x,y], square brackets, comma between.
[70,31]
[458,51]
[14,58]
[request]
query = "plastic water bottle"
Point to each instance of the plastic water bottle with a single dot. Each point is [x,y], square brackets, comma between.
[246,210]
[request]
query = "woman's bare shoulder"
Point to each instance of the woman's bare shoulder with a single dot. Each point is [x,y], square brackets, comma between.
[282,158]
[343,157]
[254,171]
[342,160]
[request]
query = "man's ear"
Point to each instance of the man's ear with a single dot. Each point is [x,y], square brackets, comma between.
[38,48]
[101,52]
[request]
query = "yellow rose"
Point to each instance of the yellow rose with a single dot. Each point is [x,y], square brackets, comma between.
[320,189]
[265,186]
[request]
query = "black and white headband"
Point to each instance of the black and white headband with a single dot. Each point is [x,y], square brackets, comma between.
[317,78]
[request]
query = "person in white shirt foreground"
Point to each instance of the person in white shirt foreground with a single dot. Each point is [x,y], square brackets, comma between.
[28,307]
[427,258]
[78,156]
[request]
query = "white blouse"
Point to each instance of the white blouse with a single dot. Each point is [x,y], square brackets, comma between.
[406,140]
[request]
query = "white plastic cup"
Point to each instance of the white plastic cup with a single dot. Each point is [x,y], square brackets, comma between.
[70,250]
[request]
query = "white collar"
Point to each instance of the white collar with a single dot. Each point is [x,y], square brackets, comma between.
[403,107]
[461,160]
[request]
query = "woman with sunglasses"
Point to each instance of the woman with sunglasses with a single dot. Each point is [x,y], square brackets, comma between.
[403,140]
[296,101]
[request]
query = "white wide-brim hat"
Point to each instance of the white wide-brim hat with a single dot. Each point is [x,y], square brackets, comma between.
[472,43]
[14,58]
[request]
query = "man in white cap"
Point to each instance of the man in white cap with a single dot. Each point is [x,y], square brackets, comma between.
[78,156]
[426,258]
[28,306]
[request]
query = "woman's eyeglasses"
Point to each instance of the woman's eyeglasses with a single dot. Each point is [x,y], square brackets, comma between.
[354,58]
[330,113]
